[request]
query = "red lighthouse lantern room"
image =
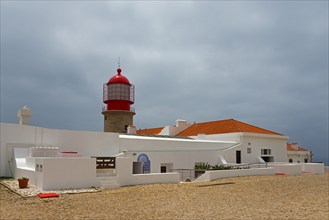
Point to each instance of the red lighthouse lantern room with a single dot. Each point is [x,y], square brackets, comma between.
[118,95]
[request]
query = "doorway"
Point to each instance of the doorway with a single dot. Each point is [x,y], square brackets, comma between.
[166,167]
[238,156]
[163,169]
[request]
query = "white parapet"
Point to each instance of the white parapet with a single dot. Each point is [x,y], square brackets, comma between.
[218,174]
[53,173]
[126,177]
[315,168]
[291,169]
[44,151]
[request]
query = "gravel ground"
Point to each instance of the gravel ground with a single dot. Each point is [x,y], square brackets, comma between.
[257,197]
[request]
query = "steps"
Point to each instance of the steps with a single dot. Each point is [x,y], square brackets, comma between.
[107,179]
[108,182]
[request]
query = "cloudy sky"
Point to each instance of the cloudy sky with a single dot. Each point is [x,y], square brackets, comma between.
[263,63]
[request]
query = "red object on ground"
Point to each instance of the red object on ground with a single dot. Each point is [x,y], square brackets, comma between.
[280,174]
[47,195]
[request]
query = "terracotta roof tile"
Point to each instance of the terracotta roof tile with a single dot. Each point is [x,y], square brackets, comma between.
[290,148]
[223,126]
[213,127]
[150,131]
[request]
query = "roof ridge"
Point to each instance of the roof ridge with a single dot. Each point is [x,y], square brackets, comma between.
[257,127]
[150,128]
[212,121]
[235,124]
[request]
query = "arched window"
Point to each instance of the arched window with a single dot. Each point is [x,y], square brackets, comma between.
[146,163]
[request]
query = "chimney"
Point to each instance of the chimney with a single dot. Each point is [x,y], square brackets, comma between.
[294,146]
[24,116]
[181,123]
[131,129]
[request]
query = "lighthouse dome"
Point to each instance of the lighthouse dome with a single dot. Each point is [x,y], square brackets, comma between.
[118,78]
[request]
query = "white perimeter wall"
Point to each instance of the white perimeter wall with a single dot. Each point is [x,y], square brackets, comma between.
[125,176]
[85,142]
[60,173]
[218,174]
[179,154]
[179,160]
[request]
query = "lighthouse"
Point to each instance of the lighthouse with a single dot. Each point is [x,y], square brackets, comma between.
[118,96]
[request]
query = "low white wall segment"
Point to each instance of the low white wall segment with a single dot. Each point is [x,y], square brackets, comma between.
[287,169]
[315,168]
[124,170]
[125,177]
[154,178]
[53,173]
[65,173]
[218,174]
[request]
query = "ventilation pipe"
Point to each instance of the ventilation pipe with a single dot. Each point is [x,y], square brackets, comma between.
[24,116]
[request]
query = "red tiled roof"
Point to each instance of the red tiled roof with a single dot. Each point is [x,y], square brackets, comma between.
[221,127]
[149,131]
[214,127]
[290,148]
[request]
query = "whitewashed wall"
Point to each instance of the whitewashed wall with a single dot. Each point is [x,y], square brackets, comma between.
[287,169]
[299,156]
[125,176]
[182,154]
[60,173]
[218,174]
[315,168]
[277,144]
[179,160]
[85,142]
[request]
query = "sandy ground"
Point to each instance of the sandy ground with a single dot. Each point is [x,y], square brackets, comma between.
[262,197]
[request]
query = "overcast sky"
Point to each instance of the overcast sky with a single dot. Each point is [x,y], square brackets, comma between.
[263,63]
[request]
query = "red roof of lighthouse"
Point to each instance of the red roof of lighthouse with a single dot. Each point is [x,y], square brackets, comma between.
[118,78]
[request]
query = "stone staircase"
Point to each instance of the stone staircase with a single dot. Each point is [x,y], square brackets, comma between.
[107,179]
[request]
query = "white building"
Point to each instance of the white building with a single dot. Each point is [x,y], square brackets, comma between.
[256,145]
[55,159]
[298,154]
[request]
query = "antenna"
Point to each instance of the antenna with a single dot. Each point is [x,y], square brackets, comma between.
[119,62]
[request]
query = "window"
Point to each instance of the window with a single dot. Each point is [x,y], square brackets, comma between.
[265,151]
[290,160]
[118,92]
[305,160]
[163,169]
[248,150]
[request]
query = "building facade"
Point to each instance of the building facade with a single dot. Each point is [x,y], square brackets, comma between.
[298,154]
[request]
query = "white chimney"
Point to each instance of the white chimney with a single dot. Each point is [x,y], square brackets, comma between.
[24,116]
[181,123]
[131,129]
